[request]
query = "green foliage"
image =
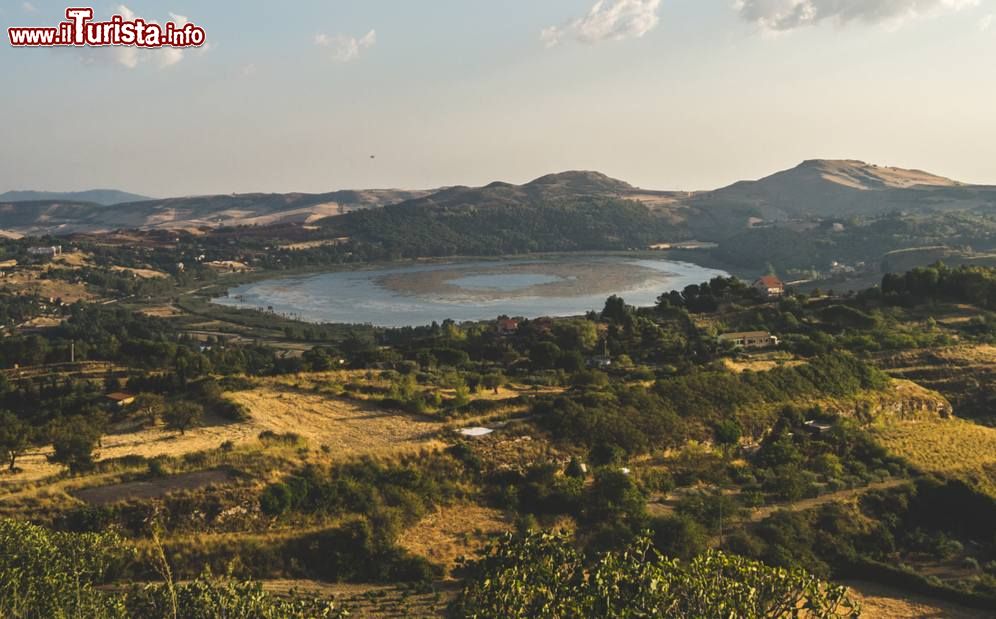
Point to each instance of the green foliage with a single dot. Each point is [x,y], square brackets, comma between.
[512,227]
[366,486]
[636,419]
[208,598]
[73,442]
[47,575]
[542,575]
[15,437]
[54,575]
[183,415]
[964,284]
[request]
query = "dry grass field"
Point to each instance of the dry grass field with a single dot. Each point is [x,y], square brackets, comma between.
[950,446]
[453,531]
[330,427]
[881,602]
[345,427]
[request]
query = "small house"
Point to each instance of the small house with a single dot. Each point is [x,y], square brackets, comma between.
[770,286]
[508,326]
[751,339]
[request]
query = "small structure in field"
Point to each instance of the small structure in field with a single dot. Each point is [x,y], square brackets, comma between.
[120,398]
[508,326]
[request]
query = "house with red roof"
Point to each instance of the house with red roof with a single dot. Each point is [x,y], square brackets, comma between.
[770,286]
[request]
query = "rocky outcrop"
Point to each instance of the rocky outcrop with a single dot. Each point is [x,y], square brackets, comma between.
[903,400]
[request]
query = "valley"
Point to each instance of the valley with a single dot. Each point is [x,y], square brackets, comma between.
[307,435]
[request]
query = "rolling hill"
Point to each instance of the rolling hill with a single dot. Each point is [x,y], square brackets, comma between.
[69,217]
[105,197]
[844,188]
[819,189]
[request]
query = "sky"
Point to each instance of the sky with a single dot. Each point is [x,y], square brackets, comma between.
[318,95]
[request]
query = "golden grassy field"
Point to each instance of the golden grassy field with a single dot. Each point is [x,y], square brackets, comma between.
[345,427]
[881,602]
[948,446]
[453,531]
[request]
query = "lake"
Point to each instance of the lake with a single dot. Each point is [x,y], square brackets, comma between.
[470,290]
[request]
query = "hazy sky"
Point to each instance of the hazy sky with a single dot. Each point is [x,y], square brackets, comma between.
[668,94]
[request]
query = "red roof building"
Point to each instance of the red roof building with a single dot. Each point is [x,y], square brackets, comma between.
[770,286]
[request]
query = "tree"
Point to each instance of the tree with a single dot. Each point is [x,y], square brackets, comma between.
[149,405]
[183,415]
[73,444]
[615,310]
[545,355]
[614,495]
[15,437]
[493,381]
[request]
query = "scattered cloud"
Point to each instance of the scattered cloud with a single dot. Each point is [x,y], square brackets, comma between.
[783,15]
[346,48]
[248,70]
[29,8]
[132,57]
[607,20]
[986,22]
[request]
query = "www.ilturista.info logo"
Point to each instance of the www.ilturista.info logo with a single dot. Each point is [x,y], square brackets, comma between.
[80,30]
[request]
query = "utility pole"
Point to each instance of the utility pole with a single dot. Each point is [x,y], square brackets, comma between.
[72,351]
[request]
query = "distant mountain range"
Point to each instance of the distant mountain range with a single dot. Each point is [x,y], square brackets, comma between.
[105,197]
[815,188]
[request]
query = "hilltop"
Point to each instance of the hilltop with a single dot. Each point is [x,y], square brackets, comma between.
[833,188]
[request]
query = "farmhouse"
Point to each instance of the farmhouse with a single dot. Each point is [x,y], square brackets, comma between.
[751,339]
[770,286]
[508,326]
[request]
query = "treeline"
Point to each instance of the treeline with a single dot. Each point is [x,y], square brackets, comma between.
[861,240]
[963,284]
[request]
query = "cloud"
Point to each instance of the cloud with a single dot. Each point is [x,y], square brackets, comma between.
[29,8]
[346,48]
[986,22]
[131,57]
[607,20]
[782,15]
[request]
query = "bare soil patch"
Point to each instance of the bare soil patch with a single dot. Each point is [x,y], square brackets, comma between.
[153,489]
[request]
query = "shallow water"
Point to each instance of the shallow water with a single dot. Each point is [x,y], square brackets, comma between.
[474,290]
